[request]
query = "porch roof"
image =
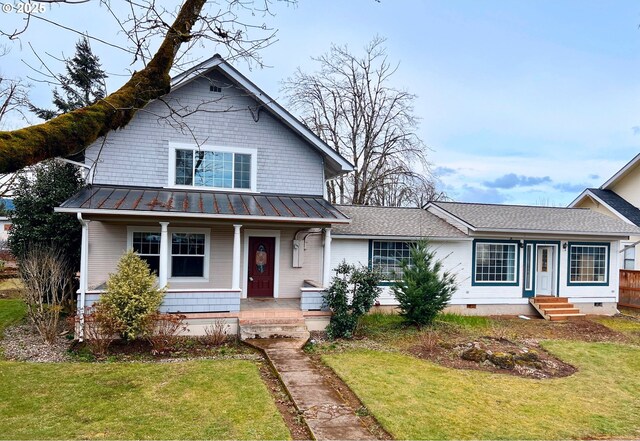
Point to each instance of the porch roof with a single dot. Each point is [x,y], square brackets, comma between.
[146,201]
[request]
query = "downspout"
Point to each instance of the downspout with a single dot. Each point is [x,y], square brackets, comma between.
[84,267]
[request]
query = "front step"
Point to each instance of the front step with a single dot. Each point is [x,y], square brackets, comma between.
[555,308]
[273,328]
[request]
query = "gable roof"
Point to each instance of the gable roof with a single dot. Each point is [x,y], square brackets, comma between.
[368,221]
[628,167]
[335,163]
[613,201]
[531,219]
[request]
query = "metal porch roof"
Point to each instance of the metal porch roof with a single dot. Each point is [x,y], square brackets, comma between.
[107,199]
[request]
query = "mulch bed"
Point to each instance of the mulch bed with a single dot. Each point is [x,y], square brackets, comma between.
[21,343]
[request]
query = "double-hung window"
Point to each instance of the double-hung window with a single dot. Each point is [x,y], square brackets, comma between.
[147,245]
[188,254]
[211,167]
[495,263]
[588,263]
[386,257]
[629,253]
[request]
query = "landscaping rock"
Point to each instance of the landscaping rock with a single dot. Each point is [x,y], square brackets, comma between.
[474,354]
[502,360]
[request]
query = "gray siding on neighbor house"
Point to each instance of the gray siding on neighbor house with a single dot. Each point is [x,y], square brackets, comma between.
[138,154]
[189,302]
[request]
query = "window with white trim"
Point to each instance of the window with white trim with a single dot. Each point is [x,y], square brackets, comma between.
[495,262]
[147,245]
[386,257]
[214,168]
[629,262]
[588,263]
[188,254]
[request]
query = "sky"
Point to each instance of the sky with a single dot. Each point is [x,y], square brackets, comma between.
[520,102]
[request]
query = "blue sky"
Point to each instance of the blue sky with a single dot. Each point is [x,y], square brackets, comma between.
[522,102]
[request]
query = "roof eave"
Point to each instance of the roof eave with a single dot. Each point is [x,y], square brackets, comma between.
[620,173]
[165,214]
[557,232]
[395,237]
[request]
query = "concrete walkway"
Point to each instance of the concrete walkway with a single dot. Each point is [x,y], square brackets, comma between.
[324,411]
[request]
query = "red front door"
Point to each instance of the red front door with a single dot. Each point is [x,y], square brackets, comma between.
[261,256]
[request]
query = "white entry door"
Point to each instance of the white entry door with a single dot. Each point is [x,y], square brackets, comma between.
[544,270]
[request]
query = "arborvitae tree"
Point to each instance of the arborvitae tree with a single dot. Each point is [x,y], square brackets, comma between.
[34,222]
[423,289]
[82,85]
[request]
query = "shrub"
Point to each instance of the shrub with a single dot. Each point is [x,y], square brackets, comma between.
[424,289]
[101,328]
[164,331]
[132,296]
[351,295]
[47,278]
[216,333]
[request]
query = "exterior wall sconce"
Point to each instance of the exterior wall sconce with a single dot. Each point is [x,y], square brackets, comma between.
[564,245]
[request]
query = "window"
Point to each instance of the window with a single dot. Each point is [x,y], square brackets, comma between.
[629,258]
[386,257]
[588,263]
[147,245]
[528,273]
[187,254]
[495,263]
[216,168]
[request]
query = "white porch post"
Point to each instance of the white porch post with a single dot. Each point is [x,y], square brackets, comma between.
[164,255]
[326,262]
[84,271]
[235,274]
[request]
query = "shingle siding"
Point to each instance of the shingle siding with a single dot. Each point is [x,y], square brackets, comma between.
[138,154]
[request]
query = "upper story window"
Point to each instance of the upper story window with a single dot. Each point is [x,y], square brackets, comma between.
[213,167]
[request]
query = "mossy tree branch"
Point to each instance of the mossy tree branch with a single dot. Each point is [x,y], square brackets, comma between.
[74,131]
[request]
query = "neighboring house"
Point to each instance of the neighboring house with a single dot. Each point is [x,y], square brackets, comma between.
[5,222]
[502,255]
[237,227]
[619,198]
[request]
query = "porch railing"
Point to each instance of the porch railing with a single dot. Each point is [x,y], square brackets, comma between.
[629,288]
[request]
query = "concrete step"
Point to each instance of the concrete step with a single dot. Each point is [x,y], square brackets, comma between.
[268,329]
[558,317]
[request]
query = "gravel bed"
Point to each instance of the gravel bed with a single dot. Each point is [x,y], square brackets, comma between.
[20,343]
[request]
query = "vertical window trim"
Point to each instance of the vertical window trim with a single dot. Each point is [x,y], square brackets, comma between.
[530,266]
[211,148]
[516,271]
[606,246]
[207,249]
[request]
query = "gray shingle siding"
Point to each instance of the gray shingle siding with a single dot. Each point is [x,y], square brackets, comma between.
[189,302]
[138,154]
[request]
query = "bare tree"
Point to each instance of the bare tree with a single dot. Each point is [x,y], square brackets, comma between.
[46,276]
[352,106]
[217,25]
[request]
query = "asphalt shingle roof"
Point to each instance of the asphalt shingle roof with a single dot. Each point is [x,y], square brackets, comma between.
[618,203]
[530,218]
[390,221]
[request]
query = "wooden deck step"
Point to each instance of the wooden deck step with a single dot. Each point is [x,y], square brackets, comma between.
[558,317]
[555,308]
[562,311]
[549,299]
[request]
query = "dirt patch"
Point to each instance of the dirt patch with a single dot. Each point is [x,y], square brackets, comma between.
[524,359]
[348,396]
[292,418]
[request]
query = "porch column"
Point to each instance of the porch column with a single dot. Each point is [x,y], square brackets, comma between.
[164,255]
[84,272]
[326,261]
[235,274]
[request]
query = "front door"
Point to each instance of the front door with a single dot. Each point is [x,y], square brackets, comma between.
[261,268]
[544,270]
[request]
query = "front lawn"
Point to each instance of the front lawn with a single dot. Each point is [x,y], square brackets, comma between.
[12,311]
[417,399]
[223,399]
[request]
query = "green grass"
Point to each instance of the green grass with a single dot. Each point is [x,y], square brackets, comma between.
[415,399]
[11,311]
[465,321]
[189,400]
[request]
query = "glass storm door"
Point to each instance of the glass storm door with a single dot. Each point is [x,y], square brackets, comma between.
[261,266]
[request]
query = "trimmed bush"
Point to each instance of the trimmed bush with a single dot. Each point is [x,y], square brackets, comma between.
[351,295]
[424,289]
[132,297]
